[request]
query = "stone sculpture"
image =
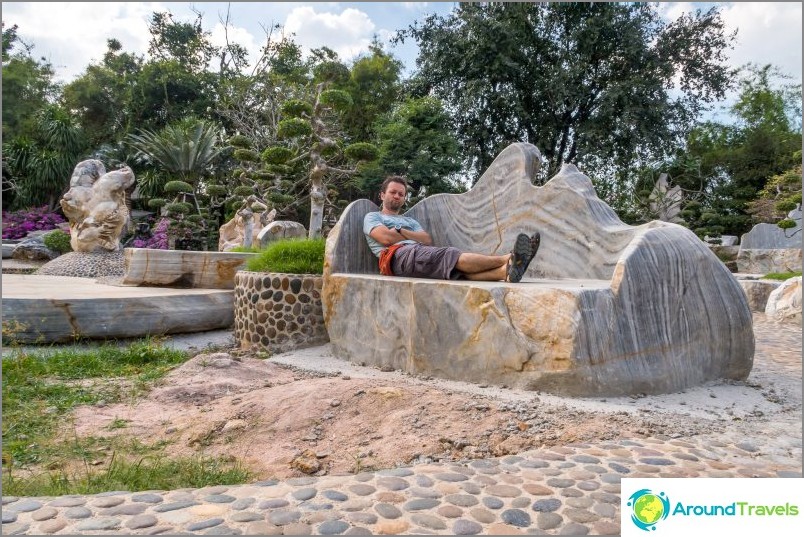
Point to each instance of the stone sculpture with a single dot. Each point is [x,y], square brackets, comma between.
[769,248]
[605,308]
[240,230]
[96,207]
[280,229]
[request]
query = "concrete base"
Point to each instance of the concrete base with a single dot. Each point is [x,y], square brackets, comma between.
[55,309]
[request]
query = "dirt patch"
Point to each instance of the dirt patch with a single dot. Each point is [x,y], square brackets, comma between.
[281,421]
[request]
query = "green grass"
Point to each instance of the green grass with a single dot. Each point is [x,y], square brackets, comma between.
[292,256]
[781,275]
[145,473]
[248,250]
[40,391]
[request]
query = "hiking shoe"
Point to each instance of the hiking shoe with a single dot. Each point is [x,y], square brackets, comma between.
[520,258]
[535,241]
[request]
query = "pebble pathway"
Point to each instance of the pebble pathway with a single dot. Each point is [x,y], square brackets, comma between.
[564,490]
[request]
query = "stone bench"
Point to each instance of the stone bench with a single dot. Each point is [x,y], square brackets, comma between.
[604,309]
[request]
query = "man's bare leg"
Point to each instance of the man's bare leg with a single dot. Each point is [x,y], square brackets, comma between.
[483,268]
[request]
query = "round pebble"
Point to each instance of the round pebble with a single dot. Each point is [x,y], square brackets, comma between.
[9,517]
[362,489]
[26,506]
[44,513]
[204,524]
[421,503]
[97,524]
[520,502]
[421,492]
[67,501]
[387,510]
[335,496]
[431,522]
[516,517]
[304,494]
[392,483]
[52,526]
[147,498]
[450,511]
[246,516]
[333,527]
[283,517]
[424,481]
[107,502]
[173,506]
[396,472]
[78,513]
[492,502]
[273,504]
[297,529]
[219,498]
[546,506]
[461,500]
[363,518]
[450,477]
[548,521]
[243,503]
[466,527]
[140,521]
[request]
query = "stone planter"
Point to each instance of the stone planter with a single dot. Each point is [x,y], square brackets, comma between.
[278,312]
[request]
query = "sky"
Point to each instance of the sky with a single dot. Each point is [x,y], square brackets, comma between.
[72,34]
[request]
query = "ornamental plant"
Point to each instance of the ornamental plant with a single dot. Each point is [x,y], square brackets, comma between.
[17,224]
[58,241]
[290,256]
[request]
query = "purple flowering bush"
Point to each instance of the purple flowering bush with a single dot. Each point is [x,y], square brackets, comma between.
[158,239]
[17,224]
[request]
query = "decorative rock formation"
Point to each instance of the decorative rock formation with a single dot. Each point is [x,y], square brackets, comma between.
[784,303]
[150,267]
[96,207]
[757,292]
[769,248]
[281,229]
[605,308]
[240,230]
[85,265]
[33,249]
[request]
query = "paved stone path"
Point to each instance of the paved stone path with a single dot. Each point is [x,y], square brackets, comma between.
[563,490]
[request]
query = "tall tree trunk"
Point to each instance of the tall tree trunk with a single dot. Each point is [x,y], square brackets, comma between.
[317,195]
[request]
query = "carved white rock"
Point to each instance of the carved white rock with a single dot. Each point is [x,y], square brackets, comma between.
[605,308]
[784,303]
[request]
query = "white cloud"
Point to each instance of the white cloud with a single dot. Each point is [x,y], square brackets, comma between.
[769,32]
[348,33]
[71,35]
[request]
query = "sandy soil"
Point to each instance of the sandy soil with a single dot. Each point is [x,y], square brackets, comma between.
[309,413]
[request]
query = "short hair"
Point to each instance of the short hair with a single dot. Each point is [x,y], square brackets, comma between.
[393,179]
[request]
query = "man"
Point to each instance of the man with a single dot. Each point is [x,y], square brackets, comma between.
[404,248]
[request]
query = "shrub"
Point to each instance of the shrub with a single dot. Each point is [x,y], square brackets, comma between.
[277,155]
[292,128]
[17,225]
[238,140]
[246,155]
[175,187]
[296,108]
[159,238]
[58,241]
[781,275]
[291,256]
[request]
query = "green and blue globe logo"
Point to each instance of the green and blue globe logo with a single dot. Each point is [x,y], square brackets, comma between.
[648,508]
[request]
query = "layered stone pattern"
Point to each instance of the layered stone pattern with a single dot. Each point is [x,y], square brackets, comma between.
[85,265]
[605,308]
[278,312]
[784,303]
[150,267]
[765,261]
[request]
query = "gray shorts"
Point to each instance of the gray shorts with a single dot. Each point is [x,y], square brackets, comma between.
[420,261]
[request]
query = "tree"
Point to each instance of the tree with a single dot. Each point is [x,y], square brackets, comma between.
[416,141]
[575,79]
[731,164]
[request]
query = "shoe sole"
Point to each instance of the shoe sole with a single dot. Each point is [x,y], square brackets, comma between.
[520,258]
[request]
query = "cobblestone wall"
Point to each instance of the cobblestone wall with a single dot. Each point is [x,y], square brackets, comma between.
[278,312]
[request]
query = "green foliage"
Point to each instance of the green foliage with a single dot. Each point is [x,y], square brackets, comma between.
[178,208]
[292,256]
[246,249]
[331,71]
[575,79]
[293,128]
[246,155]
[186,148]
[240,141]
[787,223]
[176,187]
[361,151]
[58,240]
[39,391]
[156,203]
[216,190]
[155,472]
[337,99]
[277,155]
[781,275]
[296,108]
[243,190]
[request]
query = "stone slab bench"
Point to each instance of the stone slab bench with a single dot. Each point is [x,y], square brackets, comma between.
[605,308]
[151,267]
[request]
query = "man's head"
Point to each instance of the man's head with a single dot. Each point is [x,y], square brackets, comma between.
[393,192]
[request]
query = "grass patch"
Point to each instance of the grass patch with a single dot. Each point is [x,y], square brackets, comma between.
[292,256]
[781,275]
[246,249]
[146,473]
[39,391]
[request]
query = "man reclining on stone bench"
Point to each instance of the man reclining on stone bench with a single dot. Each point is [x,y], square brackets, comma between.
[404,248]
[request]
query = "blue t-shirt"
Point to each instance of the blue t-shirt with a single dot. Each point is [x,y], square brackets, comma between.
[390,221]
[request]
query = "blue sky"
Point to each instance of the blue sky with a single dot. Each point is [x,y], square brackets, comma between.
[72,34]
